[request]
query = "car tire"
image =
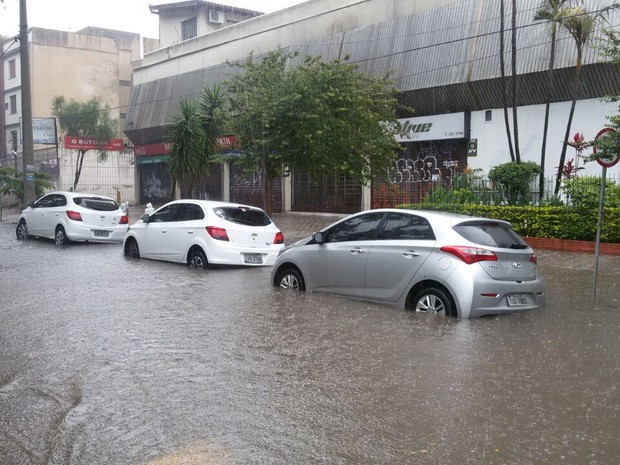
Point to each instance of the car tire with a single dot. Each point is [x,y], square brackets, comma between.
[433,300]
[291,278]
[22,230]
[61,236]
[197,259]
[131,249]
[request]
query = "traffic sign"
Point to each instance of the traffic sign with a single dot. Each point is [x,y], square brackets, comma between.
[610,160]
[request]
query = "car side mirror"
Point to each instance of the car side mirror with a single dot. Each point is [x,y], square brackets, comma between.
[145,217]
[30,204]
[318,237]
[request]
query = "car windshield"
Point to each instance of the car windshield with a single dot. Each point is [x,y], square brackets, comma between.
[491,234]
[243,215]
[96,203]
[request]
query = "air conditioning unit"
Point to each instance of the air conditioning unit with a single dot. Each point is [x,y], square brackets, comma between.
[216,16]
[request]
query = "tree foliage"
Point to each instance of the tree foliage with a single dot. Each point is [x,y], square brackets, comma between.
[512,180]
[315,116]
[12,182]
[193,134]
[89,119]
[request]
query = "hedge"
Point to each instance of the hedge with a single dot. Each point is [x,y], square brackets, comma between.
[556,222]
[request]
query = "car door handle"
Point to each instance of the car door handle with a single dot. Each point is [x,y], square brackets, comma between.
[411,254]
[164,231]
[357,251]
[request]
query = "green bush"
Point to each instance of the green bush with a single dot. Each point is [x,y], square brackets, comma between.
[512,181]
[12,182]
[584,192]
[548,221]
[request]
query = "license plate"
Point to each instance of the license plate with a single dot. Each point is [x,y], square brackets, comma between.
[253,258]
[517,300]
[101,233]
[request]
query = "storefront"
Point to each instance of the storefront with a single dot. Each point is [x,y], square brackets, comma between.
[434,150]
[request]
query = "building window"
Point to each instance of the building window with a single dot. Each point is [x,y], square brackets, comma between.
[12,69]
[14,144]
[13,104]
[189,28]
[488,115]
[124,83]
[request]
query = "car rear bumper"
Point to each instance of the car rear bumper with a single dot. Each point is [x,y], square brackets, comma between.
[243,256]
[498,297]
[81,232]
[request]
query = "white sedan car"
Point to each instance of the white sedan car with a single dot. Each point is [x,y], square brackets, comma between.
[72,216]
[202,232]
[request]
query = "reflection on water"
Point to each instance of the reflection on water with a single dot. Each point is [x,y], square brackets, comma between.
[107,360]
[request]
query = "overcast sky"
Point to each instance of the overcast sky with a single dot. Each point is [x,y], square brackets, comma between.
[124,15]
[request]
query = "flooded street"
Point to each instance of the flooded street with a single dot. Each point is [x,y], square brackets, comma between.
[105,360]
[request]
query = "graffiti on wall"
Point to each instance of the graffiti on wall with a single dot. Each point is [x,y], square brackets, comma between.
[431,163]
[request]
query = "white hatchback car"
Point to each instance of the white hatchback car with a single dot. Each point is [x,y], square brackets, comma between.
[73,216]
[203,232]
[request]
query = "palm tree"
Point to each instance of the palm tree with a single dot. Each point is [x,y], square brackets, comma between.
[548,10]
[580,25]
[193,134]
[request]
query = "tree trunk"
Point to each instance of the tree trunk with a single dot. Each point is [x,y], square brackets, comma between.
[267,188]
[504,83]
[543,150]
[576,92]
[78,168]
[515,123]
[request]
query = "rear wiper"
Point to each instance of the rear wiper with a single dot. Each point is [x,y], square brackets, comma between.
[519,246]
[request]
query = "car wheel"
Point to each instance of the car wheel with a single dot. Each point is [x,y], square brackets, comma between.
[61,236]
[131,249]
[432,300]
[291,278]
[197,259]
[22,230]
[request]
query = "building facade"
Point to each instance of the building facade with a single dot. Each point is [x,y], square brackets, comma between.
[90,63]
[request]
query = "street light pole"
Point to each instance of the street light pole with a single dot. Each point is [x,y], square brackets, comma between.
[27,143]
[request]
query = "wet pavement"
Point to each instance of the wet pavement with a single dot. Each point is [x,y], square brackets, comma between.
[105,360]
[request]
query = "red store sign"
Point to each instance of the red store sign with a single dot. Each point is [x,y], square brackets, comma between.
[225,142]
[83,143]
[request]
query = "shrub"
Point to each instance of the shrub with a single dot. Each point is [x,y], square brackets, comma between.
[584,192]
[513,179]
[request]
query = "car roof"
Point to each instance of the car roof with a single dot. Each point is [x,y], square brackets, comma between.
[212,203]
[73,195]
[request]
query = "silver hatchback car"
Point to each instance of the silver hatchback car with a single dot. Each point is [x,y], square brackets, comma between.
[430,262]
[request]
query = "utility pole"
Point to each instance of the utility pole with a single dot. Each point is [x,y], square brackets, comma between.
[27,143]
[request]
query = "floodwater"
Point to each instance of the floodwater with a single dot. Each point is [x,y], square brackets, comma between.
[105,360]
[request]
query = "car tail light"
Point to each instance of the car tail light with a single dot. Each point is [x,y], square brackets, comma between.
[73,215]
[124,220]
[217,233]
[470,254]
[279,239]
[534,259]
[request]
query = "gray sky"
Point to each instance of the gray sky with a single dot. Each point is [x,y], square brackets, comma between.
[124,15]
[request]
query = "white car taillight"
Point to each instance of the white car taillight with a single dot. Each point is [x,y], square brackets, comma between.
[73,215]
[470,254]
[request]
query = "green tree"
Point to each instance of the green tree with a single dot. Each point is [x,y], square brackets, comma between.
[12,182]
[548,10]
[88,119]
[193,134]
[316,116]
[580,24]
[512,180]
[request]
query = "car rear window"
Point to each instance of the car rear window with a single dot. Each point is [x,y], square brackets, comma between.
[491,234]
[96,203]
[243,215]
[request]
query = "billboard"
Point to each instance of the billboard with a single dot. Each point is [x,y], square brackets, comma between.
[44,131]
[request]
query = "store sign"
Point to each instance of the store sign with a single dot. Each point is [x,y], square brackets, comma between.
[44,131]
[436,127]
[149,150]
[84,143]
[472,148]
